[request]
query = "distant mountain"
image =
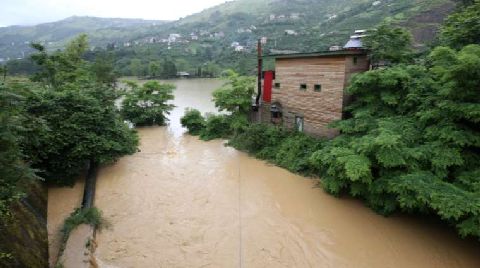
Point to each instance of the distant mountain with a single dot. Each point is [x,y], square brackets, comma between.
[15,40]
[224,36]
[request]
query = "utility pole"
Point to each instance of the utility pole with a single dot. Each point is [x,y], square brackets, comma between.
[259,74]
[260,42]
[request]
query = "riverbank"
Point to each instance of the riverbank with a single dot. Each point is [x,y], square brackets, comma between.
[182,202]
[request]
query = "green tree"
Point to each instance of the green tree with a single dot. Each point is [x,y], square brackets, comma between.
[103,69]
[13,170]
[148,104]
[62,67]
[462,28]
[193,121]
[136,67]
[154,69]
[389,45]
[413,142]
[236,95]
[169,69]
[80,114]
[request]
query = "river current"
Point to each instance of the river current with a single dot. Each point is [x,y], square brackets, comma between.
[182,202]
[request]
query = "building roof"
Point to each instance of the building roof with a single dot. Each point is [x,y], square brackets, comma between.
[335,53]
[354,42]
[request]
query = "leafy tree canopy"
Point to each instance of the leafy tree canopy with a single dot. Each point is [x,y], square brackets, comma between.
[463,27]
[390,45]
[76,103]
[148,104]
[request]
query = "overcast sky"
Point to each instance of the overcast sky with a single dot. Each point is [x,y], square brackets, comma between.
[28,12]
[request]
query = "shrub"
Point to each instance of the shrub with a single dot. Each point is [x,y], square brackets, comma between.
[295,151]
[193,121]
[217,127]
[90,216]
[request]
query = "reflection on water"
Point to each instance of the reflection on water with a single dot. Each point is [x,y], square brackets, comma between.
[181,202]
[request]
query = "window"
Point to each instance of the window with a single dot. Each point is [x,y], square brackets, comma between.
[303,86]
[355,60]
[277,85]
[317,88]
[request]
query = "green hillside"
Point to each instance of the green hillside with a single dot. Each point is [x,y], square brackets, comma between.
[15,40]
[224,36]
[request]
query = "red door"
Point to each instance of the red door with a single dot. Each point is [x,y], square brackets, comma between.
[267,86]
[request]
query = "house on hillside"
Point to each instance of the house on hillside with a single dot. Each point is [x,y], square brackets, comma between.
[307,90]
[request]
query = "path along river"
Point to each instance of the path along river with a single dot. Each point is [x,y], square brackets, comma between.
[182,202]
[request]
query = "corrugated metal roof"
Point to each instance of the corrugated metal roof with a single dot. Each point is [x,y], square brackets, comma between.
[354,43]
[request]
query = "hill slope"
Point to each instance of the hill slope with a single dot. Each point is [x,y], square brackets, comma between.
[224,36]
[15,40]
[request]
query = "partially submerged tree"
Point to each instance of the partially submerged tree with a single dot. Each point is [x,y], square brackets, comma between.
[148,104]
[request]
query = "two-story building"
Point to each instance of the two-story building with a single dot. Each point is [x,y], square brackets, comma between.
[307,90]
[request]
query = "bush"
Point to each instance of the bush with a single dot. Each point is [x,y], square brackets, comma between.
[295,151]
[259,139]
[217,127]
[193,121]
[414,140]
[147,105]
[90,216]
[291,150]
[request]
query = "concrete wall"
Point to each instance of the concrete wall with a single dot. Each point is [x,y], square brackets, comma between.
[25,238]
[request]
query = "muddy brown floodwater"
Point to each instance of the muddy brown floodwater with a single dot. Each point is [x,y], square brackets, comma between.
[181,202]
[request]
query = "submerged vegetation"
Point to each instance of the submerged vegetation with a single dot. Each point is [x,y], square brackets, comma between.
[412,142]
[147,105]
[89,216]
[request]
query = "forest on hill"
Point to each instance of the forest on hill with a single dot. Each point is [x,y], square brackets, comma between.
[225,36]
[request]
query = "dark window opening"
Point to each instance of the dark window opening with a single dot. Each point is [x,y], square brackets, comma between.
[355,60]
[277,85]
[317,88]
[303,86]
[276,113]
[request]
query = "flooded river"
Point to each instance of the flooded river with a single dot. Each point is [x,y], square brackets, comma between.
[181,202]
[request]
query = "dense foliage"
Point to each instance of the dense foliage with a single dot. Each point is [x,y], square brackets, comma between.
[13,170]
[389,45]
[412,142]
[193,121]
[147,104]
[463,28]
[75,100]
[289,149]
